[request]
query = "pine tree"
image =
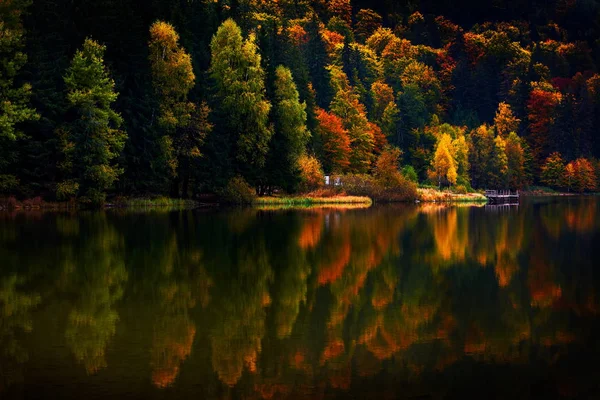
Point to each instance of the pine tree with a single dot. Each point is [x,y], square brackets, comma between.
[239,80]
[291,135]
[91,140]
[14,97]
[184,124]
[552,170]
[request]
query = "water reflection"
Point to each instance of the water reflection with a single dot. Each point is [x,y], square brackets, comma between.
[302,304]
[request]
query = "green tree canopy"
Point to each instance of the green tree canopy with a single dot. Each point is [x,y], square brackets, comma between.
[91,139]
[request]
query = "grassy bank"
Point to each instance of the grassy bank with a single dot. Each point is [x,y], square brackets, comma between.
[37,203]
[162,202]
[311,201]
[428,195]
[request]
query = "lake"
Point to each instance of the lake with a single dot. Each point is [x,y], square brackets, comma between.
[421,301]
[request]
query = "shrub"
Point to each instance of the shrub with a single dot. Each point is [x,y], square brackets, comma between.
[400,189]
[238,191]
[460,189]
[325,192]
[311,173]
[35,202]
[409,173]
[66,190]
[9,203]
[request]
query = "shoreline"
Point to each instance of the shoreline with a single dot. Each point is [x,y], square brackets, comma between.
[425,195]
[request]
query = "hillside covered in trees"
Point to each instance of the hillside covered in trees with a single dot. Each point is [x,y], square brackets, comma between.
[184,97]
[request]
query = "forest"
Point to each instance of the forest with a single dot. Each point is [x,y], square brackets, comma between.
[100,99]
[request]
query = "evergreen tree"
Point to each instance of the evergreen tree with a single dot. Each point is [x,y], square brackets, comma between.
[14,96]
[239,83]
[91,140]
[318,59]
[291,135]
[552,170]
[184,125]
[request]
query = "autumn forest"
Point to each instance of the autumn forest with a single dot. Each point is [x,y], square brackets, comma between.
[101,99]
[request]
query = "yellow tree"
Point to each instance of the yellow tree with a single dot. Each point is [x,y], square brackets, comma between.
[385,109]
[568,176]
[460,150]
[499,170]
[505,121]
[516,161]
[443,163]
[184,124]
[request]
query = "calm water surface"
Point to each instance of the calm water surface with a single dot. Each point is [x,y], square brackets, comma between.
[427,302]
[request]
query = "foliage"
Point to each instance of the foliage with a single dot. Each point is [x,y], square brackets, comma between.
[241,93]
[311,173]
[553,170]
[336,142]
[400,190]
[444,167]
[14,95]
[409,173]
[505,121]
[238,191]
[239,78]
[346,105]
[291,134]
[92,141]
[580,175]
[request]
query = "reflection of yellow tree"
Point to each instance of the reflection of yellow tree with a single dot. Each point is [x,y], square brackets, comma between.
[311,231]
[450,233]
[184,283]
[240,324]
[292,293]
[15,319]
[99,277]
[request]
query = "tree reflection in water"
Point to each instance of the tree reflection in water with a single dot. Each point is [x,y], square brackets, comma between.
[304,303]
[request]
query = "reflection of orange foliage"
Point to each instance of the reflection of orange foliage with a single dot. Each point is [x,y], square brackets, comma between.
[447,325]
[558,338]
[271,390]
[311,232]
[475,342]
[250,360]
[383,295]
[383,341]
[333,349]
[333,271]
[542,289]
[168,353]
[505,269]
[581,219]
[298,359]
[341,379]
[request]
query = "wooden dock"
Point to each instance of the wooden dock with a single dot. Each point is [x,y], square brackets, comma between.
[502,196]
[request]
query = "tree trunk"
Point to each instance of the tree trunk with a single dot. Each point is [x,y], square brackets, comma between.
[175,188]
